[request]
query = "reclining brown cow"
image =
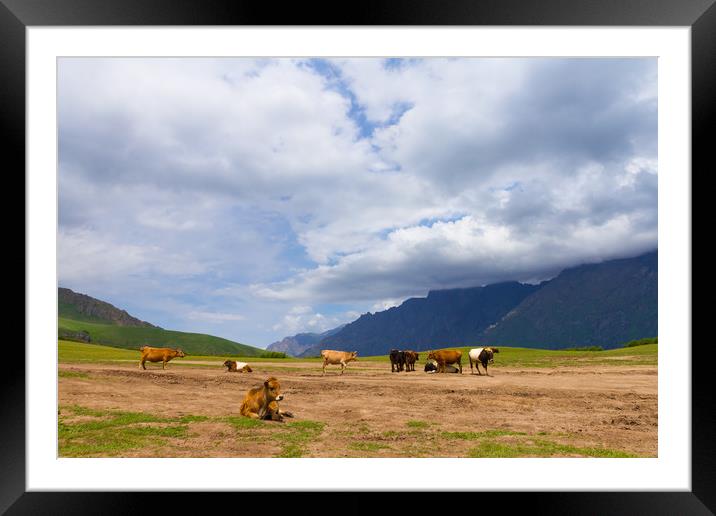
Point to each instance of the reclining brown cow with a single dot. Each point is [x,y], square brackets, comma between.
[262,402]
[162,355]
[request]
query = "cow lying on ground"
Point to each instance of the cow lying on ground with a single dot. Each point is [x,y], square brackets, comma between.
[446,357]
[397,360]
[337,357]
[432,367]
[410,358]
[482,356]
[232,366]
[262,402]
[162,355]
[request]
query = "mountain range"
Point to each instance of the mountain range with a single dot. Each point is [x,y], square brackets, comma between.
[604,304]
[297,344]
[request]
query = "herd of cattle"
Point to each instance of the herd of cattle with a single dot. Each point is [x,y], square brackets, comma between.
[441,361]
[262,402]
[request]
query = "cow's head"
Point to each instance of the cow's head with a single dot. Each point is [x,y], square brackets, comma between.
[273,389]
[354,355]
[227,363]
[180,353]
[431,355]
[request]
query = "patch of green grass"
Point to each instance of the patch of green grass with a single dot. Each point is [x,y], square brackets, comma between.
[72,374]
[539,448]
[241,422]
[368,446]
[295,435]
[193,419]
[417,424]
[479,435]
[291,451]
[110,433]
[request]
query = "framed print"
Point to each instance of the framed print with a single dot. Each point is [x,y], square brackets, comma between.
[127,204]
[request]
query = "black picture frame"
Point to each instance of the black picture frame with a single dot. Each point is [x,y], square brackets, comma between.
[700,15]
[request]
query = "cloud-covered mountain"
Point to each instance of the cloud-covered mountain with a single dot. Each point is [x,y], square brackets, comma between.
[603,304]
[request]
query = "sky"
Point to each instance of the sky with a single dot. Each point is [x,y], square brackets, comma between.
[258,198]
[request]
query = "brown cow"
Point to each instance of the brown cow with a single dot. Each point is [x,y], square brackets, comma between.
[262,402]
[410,358]
[446,356]
[162,355]
[331,356]
[232,366]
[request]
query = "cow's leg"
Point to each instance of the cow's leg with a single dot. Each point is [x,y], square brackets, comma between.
[164,364]
[324,368]
[470,359]
[343,366]
[141,364]
[459,363]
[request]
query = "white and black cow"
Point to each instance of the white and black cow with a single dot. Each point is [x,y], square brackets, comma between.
[482,356]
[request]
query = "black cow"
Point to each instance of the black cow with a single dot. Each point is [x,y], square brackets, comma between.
[397,360]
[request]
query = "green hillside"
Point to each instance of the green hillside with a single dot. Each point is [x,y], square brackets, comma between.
[129,337]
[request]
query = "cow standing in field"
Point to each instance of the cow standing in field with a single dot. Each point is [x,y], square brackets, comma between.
[445,357]
[410,358]
[162,355]
[397,360]
[337,357]
[482,356]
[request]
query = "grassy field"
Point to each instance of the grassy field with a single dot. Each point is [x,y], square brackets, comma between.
[70,351]
[541,404]
[133,337]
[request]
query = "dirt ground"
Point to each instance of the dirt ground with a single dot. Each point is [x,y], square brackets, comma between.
[371,412]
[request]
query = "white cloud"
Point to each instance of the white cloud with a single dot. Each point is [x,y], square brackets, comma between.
[216,317]
[303,319]
[268,183]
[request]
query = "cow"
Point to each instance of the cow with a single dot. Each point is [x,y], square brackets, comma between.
[410,358]
[331,356]
[262,402]
[445,357]
[232,366]
[397,360]
[162,355]
[482,356]
[431,366]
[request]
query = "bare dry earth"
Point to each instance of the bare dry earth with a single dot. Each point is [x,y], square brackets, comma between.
[371,412]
